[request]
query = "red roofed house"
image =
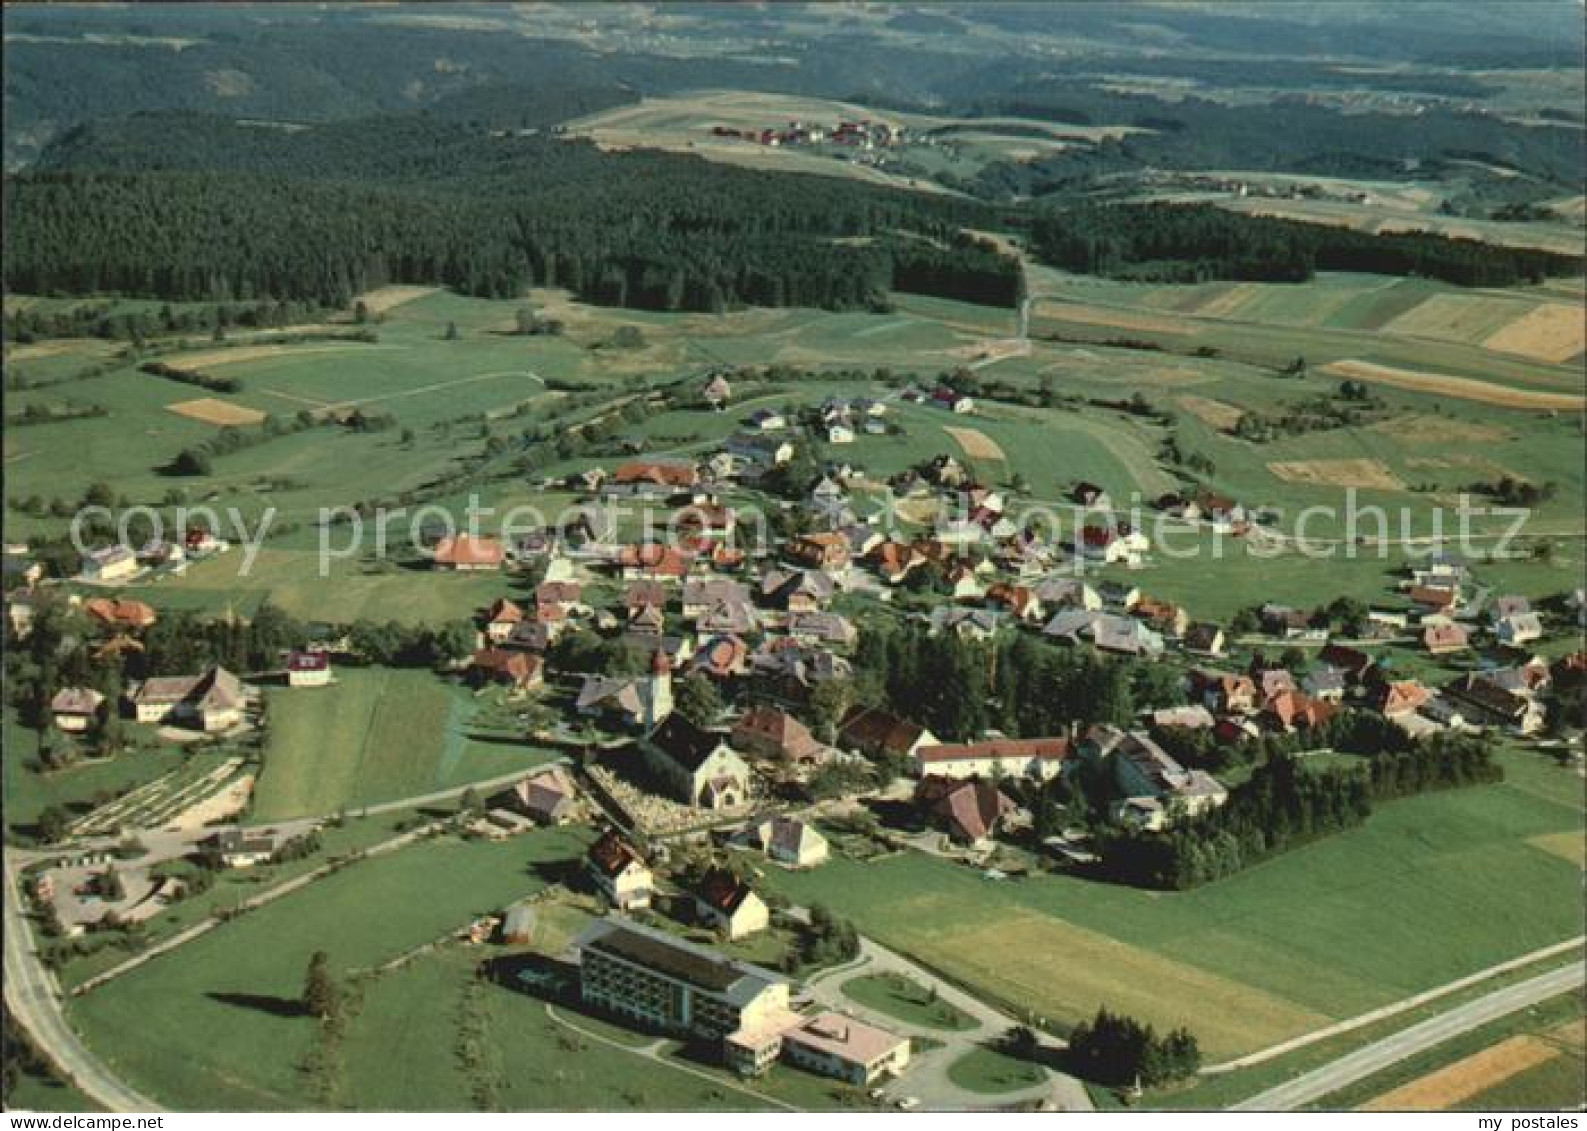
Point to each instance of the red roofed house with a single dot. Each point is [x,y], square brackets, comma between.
[1400,697]
[1041,758]
[519,670]
[650,477]
[1020,600]
[1442,639]
[119,612]
[871,731]
[466,552]
[971,810]
[651,561]
[770,733]
[500,619]
[308,669]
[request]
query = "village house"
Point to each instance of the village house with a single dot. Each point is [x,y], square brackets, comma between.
[467,553]
[796,591]
[629,702]
[953,401]
[1020,601]
[703,594]
[234,848]
[120,613]
[893,560]
[1041,759]
[1487,704]
[966,624]
[1068,593]
[1516,629]
[76,709]
[1326,684]
[971,811]
[518,671]
[1153,784]
[1444,639]
[820,627]
[828,551]
[729,906]
[653,479]
[717,392]
[20,569]
[695,766]
[1205,639]
[651,561]
[1164,616]
[729,618]
[1396,698]
[787,671]
[546,796]
[721,657]
[620,873]
[788,841]
[759,451]
[876,733]
[109,565]
[767,420]
[501,618]
[1228,693]
[213,700]
[767,732]
[308,669]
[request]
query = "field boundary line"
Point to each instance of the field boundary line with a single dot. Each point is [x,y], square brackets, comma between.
[1393,1008]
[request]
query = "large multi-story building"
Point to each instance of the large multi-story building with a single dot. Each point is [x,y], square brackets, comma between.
[660,981]
[663,982]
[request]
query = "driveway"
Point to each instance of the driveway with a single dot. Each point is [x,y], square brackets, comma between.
[927,1076]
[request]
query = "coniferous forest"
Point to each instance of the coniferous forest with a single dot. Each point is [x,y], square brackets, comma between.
[194,208]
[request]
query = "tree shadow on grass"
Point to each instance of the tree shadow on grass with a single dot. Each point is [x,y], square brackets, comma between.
[264,1003]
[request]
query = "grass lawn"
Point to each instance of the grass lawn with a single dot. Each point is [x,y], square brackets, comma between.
[1430,889]
[79,788]
[214,1024]
[376,734]
[902,997]
[991,1072]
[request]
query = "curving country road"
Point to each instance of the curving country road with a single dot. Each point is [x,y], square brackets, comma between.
[34,1000]
[1391,1050]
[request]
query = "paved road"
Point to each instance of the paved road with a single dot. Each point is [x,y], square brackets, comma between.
[34,999]
[1393,1008]
[1391,1050]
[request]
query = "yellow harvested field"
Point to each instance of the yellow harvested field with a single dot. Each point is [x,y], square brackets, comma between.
[1461,388]
[387,298]
[211,359]
[1369,473]
[213,411]
[1066,972]
[1567,846]
[1452,317]
[1553,333]
[976,444]
[1218,414]
[1455,1083]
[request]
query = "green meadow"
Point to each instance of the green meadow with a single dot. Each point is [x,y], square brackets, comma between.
[1429,890]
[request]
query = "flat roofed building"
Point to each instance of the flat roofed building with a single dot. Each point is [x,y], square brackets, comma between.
[839,1046]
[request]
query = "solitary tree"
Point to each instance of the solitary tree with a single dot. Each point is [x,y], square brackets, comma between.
[319,989]
[451,332]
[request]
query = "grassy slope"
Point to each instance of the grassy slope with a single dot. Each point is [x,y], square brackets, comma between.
[375,735]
